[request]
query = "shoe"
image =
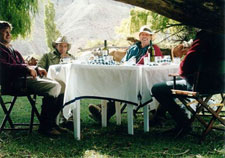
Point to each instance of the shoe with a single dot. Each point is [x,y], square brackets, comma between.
[67,124]
[61,129]
[178,132]
[183,132]
[171,131]
[50,133]
[95,111]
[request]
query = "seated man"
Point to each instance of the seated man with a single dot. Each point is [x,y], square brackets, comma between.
[13,67]
[203,47]
[138,50]
[61,47]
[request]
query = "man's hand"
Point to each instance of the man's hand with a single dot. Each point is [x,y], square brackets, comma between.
[33,72]
[180,51]
[41,72]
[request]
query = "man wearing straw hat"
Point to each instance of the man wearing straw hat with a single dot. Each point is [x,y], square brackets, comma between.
[61,47]
[139,49]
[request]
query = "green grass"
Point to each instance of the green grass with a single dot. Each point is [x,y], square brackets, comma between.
[112,141]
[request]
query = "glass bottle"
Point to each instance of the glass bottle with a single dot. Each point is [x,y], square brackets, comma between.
[105,49]
[151,51]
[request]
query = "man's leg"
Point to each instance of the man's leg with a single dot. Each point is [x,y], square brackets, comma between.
[44,87]
[52,102]
[48,113]
[162,92]
[95,110]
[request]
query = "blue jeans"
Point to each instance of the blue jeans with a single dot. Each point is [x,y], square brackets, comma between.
[162,93]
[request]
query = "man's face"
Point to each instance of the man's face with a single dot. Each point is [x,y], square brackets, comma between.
[5,35]
[145,38]
[62,48]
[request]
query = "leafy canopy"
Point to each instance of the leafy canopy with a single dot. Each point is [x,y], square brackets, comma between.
[158,23]
[50,27]
[19,13]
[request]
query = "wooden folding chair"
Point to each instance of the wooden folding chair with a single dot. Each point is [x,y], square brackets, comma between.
[8,106]
[208,82]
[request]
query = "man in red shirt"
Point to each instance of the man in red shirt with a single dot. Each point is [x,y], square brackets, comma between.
[206,48]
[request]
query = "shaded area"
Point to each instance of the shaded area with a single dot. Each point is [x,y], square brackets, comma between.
[204,14]
[112,141]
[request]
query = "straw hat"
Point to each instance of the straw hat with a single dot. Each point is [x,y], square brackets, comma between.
[145,29]
[61,39]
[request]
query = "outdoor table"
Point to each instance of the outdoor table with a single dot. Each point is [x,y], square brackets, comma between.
[150,76]
[129,84]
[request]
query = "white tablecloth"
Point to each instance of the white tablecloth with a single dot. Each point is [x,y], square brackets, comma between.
[117,82]
[152,75]
[123,83]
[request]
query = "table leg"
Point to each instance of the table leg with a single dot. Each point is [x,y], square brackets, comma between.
[76,120]
[104,113]
[146,118]
[118,113]
[130,119]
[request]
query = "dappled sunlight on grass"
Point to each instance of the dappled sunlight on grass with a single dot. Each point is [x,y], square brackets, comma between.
[112,141]
[93,154]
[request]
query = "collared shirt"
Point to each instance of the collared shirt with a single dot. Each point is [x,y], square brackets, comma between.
[138,52]
[51,58]
[206,49]
[12,65]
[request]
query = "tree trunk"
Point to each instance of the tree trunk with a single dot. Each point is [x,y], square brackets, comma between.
[204,14]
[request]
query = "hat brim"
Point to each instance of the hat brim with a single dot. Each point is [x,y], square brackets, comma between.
[150,33]
[55,43]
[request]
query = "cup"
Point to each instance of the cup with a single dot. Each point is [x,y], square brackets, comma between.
[146,60]
[176,60]
[157,59]
[166,57]
[65,60]
[110,58]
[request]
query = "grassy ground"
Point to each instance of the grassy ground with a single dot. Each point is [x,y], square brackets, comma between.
[112,141]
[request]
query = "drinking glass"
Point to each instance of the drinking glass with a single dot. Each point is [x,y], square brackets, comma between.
[158,59]
[146,60]
[176,60]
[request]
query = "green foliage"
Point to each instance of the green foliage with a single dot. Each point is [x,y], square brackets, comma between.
[52,33]
[158,23]
[138,18]
[19,13]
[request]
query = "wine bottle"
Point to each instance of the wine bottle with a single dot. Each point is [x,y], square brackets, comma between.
[105,49]
[151,51]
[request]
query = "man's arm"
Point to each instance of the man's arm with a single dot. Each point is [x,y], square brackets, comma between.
[41,72]
[43,61]
[190,63]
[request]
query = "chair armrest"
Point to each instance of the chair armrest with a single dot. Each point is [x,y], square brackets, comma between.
[175,76]
[184,93]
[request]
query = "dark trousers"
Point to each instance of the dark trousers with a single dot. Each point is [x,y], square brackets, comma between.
[50,109]
[162,93]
